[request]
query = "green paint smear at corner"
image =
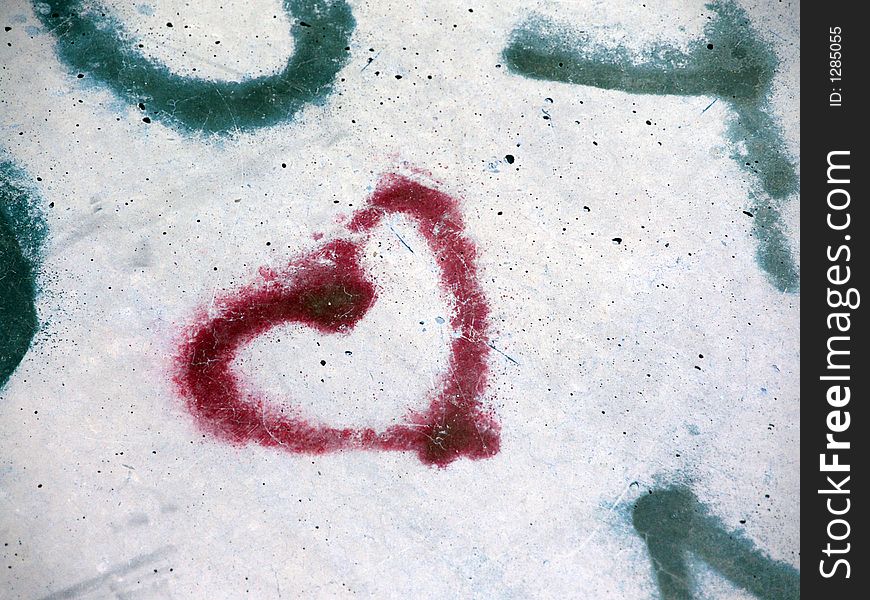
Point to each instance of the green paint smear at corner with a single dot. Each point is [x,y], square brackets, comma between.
[673,523]
[94,44]
[731,63]
[22,232]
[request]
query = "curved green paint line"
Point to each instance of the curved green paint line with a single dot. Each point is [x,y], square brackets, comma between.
[730,63]
[674,523]
[22,232]
[94,44]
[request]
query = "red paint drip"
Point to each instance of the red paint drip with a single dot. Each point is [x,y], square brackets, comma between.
[329,291]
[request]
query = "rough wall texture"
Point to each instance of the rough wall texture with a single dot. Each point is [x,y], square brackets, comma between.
[314,298]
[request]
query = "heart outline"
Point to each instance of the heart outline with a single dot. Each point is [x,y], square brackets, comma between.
[328,290]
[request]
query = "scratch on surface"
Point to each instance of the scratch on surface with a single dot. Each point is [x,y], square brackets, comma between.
[715,100]
[89,585]
[277,582]
[232,234]
[404,243]
[371,60]
[579,548]
[513,360]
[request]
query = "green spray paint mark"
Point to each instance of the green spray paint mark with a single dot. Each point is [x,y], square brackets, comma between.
[22,232]
[730,63]
[673,523]
[94,44]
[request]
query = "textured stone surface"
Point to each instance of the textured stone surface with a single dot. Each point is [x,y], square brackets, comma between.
[636,341]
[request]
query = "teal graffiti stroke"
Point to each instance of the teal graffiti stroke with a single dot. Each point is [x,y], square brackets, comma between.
[730,62]
[673,523]
[22,233]
[93,43]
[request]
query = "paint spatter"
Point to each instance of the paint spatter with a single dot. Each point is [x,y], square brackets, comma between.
[329,291]
[22,232]
[94,44]
[674,523]
[730,63]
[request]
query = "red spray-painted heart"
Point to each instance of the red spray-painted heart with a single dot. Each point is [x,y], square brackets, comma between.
[329,291]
